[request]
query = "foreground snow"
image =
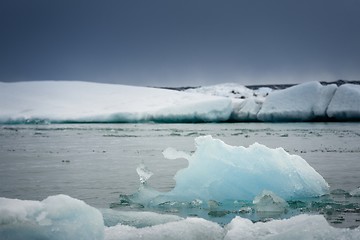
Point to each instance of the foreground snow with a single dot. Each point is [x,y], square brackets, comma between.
[63,217]
[64,101]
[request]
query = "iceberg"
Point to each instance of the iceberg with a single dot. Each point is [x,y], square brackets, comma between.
[304,102]
[65,101]
[345,105]
[75,101]
[220,173]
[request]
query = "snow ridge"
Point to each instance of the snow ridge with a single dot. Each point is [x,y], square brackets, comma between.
[73,101]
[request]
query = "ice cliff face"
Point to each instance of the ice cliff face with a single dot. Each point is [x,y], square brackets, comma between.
[303,102]
[64,101]
[345,105]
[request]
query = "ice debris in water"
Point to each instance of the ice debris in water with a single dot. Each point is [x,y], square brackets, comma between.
[355,192]
[267,201]
[144,173]
[218,171]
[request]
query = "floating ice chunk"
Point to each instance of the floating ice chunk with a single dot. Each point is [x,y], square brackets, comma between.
[296,228]
[302,102]
[346,103]
[172,153]
[267,201]
[144,173]
[56,217]
[190,228]
[220,172]
[355,192]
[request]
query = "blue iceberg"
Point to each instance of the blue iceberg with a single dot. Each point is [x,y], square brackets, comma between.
[218,171]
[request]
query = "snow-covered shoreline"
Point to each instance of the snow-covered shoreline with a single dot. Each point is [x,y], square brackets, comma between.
[72,101]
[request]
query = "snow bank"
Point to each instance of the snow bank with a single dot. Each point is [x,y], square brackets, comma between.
[302,102]
[136,219]
[62,217]
[231,90]
[64,101]
[246,110]
[298,227]
[246,102]
[190,228]
[56,217]
[345,105]
[218,171]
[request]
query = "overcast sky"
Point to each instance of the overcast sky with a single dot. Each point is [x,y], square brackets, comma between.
[180,43]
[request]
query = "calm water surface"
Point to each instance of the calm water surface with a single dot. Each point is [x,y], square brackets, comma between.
[97,162]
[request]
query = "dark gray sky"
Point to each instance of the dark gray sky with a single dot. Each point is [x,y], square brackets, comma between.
[180,43]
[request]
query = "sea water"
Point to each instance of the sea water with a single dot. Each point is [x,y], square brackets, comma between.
[97,163]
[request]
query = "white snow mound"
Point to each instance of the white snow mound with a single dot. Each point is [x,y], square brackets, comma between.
[56,217]
[65,101]
[302,102]
[345,105]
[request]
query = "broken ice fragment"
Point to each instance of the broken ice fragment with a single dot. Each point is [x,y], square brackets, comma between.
[267,201]
[144,173]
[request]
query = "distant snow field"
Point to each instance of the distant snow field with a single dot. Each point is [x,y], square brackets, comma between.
[69,101]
